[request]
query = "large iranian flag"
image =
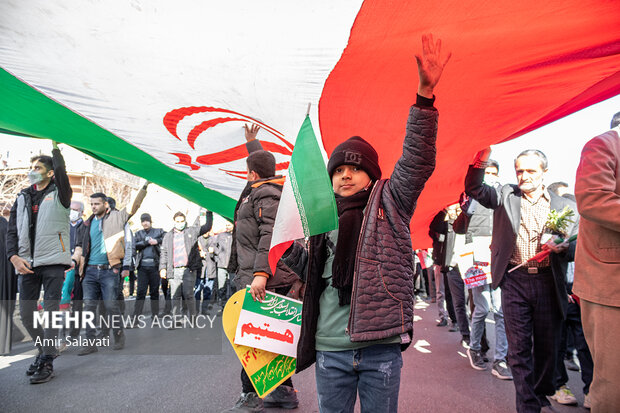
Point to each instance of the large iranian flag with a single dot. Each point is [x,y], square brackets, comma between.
[162,89]
[307,206]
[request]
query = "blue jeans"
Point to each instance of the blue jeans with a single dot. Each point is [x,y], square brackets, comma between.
[485,300]
[202,290]
[372,371]
[101,285]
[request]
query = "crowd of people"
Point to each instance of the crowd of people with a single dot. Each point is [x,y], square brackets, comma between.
[512,250]
[509,251]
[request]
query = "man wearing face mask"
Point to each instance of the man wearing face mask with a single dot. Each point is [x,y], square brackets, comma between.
[174,262]
[476,222]
[76,223]
[75,216]
[38,248]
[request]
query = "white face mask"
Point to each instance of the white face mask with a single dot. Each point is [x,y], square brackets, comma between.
[490,179]
[34,177]
[74,215]
[180,226]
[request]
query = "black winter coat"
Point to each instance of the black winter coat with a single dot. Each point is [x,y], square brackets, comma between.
[145,251]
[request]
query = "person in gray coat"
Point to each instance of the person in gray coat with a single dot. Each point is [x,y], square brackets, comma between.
[38,248]
[174,262]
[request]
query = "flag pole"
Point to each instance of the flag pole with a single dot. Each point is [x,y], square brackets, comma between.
[308,111]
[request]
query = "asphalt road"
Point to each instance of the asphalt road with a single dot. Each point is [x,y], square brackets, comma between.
[197,371]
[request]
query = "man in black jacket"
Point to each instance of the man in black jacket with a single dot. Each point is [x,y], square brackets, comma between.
[148,242]
[438,231]
[534,296]
[476,223]
[449,267]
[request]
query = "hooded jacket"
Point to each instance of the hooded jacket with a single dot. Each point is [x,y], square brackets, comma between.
[254,216]
[253,229]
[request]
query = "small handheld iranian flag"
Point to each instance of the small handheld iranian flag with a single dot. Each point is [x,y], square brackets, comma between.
[307,205]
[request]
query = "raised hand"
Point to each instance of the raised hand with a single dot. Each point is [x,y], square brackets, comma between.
[430,65]
[483,155]
[251,131]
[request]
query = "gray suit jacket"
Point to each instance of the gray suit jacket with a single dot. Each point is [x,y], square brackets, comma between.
[506,203]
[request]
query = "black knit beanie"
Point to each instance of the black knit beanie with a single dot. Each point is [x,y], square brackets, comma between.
[356,151]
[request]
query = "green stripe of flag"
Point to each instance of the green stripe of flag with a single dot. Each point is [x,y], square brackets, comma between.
[26,111]
[312,188]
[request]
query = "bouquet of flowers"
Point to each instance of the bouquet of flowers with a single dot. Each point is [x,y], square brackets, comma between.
[557,224]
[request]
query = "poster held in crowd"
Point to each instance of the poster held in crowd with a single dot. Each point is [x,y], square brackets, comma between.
[265,369]
[273,324]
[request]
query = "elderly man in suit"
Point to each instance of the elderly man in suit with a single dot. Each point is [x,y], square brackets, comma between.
[597,266]
[534,296]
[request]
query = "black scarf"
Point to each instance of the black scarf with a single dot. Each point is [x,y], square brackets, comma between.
[350,217]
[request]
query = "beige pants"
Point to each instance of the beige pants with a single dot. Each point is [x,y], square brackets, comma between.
[601,325]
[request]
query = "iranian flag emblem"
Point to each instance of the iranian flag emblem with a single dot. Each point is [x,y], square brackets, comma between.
[307,206]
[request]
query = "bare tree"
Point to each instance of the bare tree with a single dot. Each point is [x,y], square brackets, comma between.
[111,181]
[12,181]
[120,191]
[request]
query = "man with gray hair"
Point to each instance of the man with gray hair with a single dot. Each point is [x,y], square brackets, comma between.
[76,223]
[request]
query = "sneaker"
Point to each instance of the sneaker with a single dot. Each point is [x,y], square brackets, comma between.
[247,403]
[453,327]
[119,340]
[501,371]
[87,350]
[34,366]
[586,402]
[442,323]
[284,397]
[484,357]
[475,359]
[563,395]
[44,373]
[571,364]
